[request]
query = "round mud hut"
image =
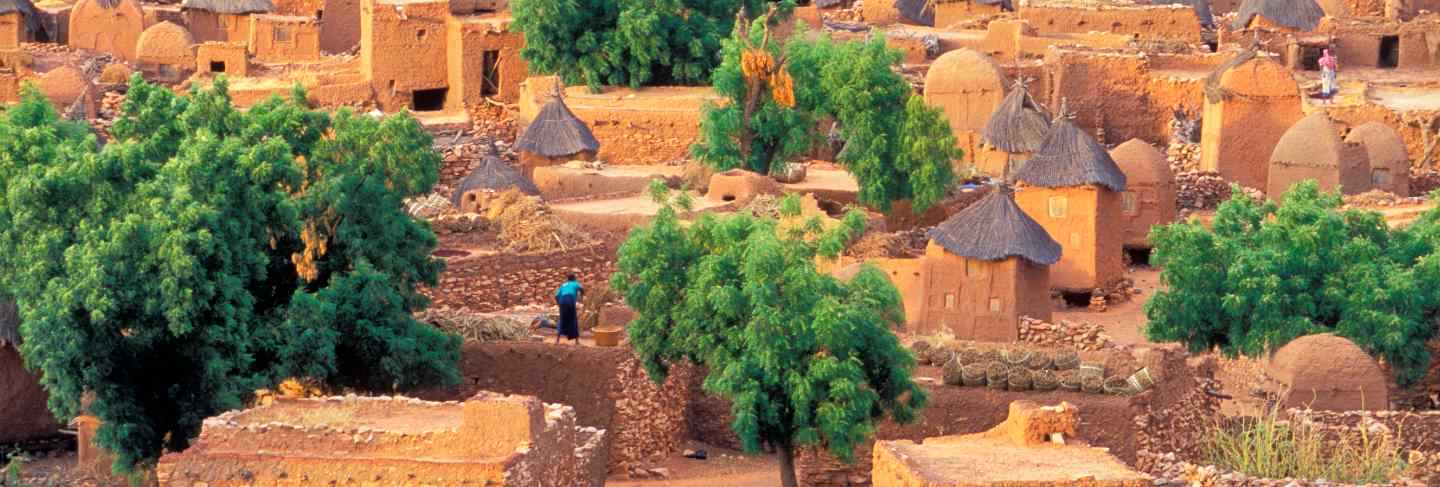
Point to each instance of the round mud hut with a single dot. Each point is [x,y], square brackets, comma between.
[112,26]
[23,413]
[1250,101]
[1291,15]
[166,52]
[967,86]
[222,20]
[989,266]
[1072,188]
[1385,150]
[555,137]
[1329,373]
[69,91]
[19,22]
[1149,197]
[1017,128]
[1312,149]
[492,176]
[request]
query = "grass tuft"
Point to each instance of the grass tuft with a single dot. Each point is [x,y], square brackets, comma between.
[1269,447]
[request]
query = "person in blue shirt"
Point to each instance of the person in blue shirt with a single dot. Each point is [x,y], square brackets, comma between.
[569,295]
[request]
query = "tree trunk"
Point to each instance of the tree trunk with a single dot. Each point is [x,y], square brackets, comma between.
[787,465]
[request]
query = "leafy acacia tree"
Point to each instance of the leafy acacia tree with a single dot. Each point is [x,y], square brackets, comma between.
[205,252]
[628,42]
[804,358]
[904,152]
[1261,275]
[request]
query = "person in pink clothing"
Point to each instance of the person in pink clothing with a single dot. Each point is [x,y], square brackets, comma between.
[1328,65]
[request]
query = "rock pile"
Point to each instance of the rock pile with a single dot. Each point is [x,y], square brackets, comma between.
[1084,336]
[1172,472]
[1201,190]
[1183,157]
[1377,198]
[1423,181]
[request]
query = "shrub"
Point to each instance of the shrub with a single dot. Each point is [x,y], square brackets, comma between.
[1263,274]
[1268,447]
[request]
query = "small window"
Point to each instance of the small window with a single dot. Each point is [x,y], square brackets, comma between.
[319,15]
[282,34]
[1129,203]
[1380,176]
[1058,206]
[994,305]
[217,66]
[420,34]
[949,301]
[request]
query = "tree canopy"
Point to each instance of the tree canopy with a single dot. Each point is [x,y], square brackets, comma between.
[804,358]
[895,154]
[1263,274]
[628,42]
[205,252]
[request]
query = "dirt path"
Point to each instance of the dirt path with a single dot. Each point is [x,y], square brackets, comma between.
[723,468]
[1124,322]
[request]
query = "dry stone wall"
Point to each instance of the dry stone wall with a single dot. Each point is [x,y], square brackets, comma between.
[487,283]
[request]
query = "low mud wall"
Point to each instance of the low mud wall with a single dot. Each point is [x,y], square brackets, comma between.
[644,422]
[488,283]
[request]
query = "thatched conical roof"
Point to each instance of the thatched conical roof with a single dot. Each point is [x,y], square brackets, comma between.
[9,323]
[917,11]
[493,174]
[557,132]
[233,7]
[1071,157]
[995,228]
[1304,15]
[1018,124]
[27,12]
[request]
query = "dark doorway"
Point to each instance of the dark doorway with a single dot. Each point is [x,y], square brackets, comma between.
[490,73]
[1390,52]
[1137,256]
[1310,57]
[217,66]
[428,100]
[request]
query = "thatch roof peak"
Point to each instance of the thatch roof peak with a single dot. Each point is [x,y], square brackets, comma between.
[1071,157]
[1019,124]
[557,132]
[232,7]
[1304,15]
[995,228]
[493,174]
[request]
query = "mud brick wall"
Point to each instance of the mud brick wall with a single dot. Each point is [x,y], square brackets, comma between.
[1157,22]
[644,422]
[1099,85]
[487,283]
[1416,127]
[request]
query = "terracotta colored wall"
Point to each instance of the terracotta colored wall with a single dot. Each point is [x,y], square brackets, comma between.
[9,88]
[23,414]
[1352,174]
[1175,22]
[112,30]
[1127,95]
[1089,239]
[1154,205]
[402,49]
[155,14]
[959,292]
[233,55]
[303,43]
[967,100]
[209,26]
[469,39]
[1415,128]
[340,25]
[1358,50]
[1238,134]
[651,126]
[950,13]
[1416,50]
[11,33]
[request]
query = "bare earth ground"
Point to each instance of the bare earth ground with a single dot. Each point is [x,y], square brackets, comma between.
[723,468]
[1124,322]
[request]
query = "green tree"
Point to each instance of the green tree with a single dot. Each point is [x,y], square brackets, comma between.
[1263,274]
[894,154]
[205,252]
[628,42]
[804,358]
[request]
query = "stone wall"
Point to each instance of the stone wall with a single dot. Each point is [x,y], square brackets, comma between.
[1118,96]
[606,386]
[487,283]
[1418,431]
